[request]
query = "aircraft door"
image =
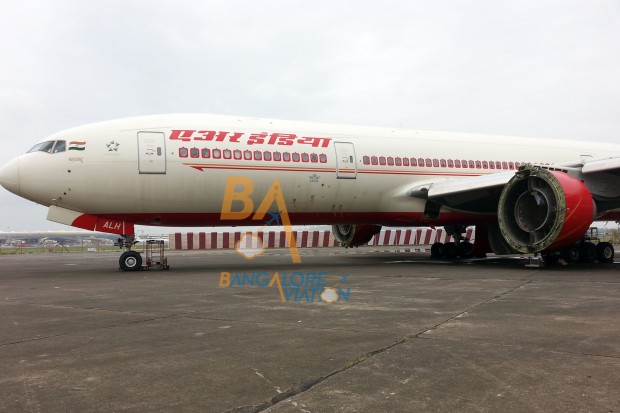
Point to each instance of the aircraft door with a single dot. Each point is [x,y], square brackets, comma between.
[151,153]
[346,165]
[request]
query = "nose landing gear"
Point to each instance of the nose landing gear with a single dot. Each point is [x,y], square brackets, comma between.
[129,260]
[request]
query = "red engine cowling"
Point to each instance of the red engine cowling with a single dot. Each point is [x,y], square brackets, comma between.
[544,210]
[354,235]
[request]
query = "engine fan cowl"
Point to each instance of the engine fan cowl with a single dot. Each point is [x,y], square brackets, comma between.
[544,210]
[354,235]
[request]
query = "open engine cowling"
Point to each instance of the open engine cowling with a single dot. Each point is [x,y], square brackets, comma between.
[354,235]
[544,210]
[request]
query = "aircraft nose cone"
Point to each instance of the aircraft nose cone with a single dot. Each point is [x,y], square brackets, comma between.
[9,176]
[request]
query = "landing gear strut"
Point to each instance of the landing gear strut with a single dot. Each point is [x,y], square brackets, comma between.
[461,247]
[129,260]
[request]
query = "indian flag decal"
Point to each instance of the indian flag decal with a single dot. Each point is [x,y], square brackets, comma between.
[77,146]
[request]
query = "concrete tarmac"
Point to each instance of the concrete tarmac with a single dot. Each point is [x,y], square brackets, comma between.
[407,334]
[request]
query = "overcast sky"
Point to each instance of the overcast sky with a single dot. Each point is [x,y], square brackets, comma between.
[548,69]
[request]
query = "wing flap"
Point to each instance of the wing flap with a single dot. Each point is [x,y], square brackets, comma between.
[611,164]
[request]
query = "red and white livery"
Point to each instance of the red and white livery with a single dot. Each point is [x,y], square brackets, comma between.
[523,195]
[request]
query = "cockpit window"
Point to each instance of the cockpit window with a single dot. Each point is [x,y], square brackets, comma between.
[59,147]
[49,147]
[43,147]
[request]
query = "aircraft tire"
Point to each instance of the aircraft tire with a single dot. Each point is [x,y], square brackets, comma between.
[449,250]
[464,249]
[436,250]
[587,252]
[605,252]
[570,253]
[130,261]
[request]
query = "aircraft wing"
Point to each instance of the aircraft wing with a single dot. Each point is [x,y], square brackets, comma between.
[481,193]
[475,194]
[607,165]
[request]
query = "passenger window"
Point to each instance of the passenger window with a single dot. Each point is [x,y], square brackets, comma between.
[267,155]
[237,154]
[194,152]
[390,161]
[323,158]
[286,157]
[450,163]
[183,152]
[277,156]
[405,161]
[374,160]
[258,156]
[206,153]
[217,153]
[382,160]
[314,157]
[227,154]
[398,161]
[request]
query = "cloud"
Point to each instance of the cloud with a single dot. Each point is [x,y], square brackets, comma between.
[543,69]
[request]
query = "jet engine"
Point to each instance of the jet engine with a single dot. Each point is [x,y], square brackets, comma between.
[541,210]
[354,235]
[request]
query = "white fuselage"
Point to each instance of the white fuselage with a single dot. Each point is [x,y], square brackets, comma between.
[173,169]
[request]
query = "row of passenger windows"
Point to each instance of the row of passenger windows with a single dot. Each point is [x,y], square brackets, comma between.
[252,155]
[438,163]
[248,155]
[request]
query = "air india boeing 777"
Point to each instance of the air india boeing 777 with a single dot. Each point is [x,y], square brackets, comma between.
[523,195]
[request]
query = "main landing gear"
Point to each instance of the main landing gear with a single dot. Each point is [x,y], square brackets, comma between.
[584,251]
[461,247]
[588,250]
[130,260]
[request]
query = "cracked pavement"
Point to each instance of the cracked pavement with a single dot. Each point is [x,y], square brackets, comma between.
[78,336]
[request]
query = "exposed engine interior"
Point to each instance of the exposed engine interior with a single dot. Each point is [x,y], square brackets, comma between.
[542,210]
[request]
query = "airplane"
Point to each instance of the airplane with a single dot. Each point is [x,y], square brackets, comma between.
[523,195]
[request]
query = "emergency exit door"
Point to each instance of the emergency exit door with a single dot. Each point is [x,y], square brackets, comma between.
[151,153]
[346,165]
